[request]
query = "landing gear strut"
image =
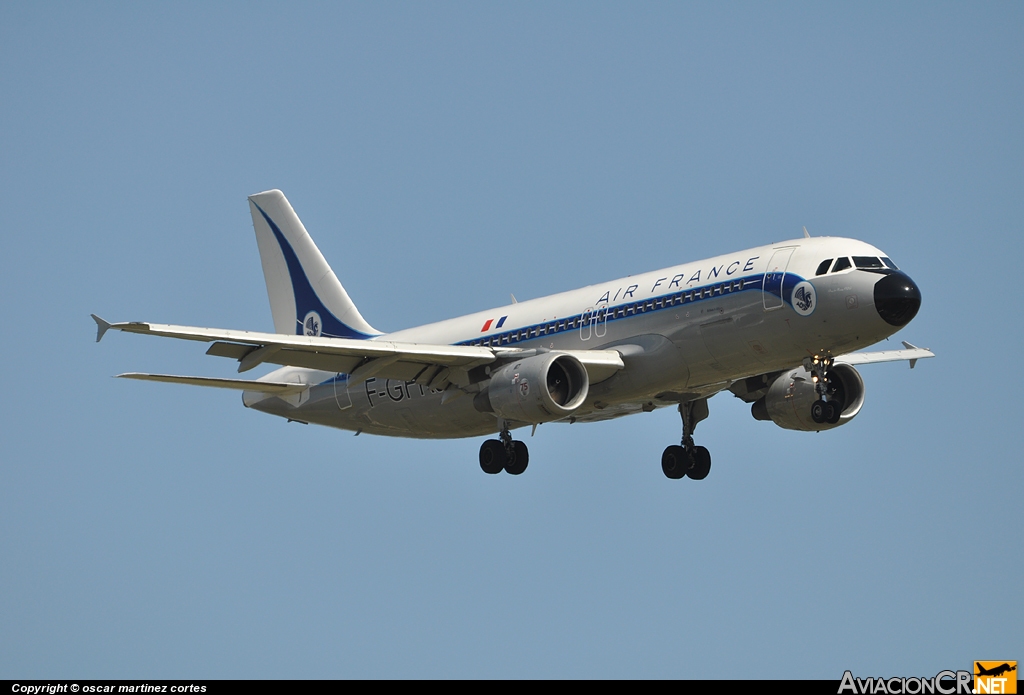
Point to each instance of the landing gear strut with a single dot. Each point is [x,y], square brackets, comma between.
[827,408]
[688,460]
[504,454]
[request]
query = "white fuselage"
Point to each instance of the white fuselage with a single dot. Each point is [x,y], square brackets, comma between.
[684,332]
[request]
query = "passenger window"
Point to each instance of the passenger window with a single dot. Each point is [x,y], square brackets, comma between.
[889,263]
[867,262]
[841,264]
[823,268]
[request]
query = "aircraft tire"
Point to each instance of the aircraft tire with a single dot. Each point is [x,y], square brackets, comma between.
[492,456]
[833,411]
[818,411]
[519,460]
[701,464]
[674,462]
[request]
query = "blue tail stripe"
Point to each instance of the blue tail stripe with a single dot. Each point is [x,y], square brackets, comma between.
[306,298]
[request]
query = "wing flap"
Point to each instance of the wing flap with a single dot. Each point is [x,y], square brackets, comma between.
[235,351]
[285,357]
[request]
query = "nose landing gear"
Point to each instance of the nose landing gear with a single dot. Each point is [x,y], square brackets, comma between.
[688,460]
[828,408]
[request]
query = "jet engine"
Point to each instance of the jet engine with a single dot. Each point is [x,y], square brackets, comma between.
[537,389]
[790,397]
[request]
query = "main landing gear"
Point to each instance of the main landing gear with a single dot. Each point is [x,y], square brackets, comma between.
[828,407]
[505,454]
[688,460]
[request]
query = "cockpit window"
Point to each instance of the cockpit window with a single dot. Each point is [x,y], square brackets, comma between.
[889,263]
[867,262]
[841,264]
[823,268]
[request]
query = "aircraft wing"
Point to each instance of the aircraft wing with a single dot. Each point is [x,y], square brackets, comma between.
[428,364]
[912,354]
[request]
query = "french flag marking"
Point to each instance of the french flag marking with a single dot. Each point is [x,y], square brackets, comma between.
[487,324]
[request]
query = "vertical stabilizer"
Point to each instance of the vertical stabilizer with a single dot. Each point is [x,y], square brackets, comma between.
[306,297]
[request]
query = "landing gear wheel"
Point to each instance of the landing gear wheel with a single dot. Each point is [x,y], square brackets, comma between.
[833,411]
[674,462]
[519,459]
[818,411]
[492,456]
[688,460]
[701,465]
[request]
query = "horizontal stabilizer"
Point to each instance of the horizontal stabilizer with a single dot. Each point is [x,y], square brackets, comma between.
[274,387]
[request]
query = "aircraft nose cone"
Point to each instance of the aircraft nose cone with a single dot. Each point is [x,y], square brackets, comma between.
[897,299]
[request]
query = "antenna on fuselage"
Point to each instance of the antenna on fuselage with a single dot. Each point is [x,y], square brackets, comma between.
[806,235]
[514,300]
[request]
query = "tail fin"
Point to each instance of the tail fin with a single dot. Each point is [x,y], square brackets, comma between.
[305,295]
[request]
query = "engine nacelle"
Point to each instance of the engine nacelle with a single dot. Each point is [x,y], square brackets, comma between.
[789,399]
[541,388]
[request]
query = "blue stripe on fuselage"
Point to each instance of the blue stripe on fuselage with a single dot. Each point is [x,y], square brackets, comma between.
[631,309]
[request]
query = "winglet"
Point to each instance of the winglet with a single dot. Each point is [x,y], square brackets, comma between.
[101,327]
[913,363]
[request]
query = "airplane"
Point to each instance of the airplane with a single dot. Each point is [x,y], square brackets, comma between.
[778,326]
[996,670]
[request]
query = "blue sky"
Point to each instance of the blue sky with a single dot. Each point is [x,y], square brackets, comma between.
[442,156]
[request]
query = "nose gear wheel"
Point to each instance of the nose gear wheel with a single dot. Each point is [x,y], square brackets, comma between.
[828,408]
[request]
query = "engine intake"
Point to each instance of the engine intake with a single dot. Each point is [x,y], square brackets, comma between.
[536,389]
[789,399]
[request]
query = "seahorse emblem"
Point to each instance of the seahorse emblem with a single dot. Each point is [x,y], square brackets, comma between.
[311,326]
[804,300]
